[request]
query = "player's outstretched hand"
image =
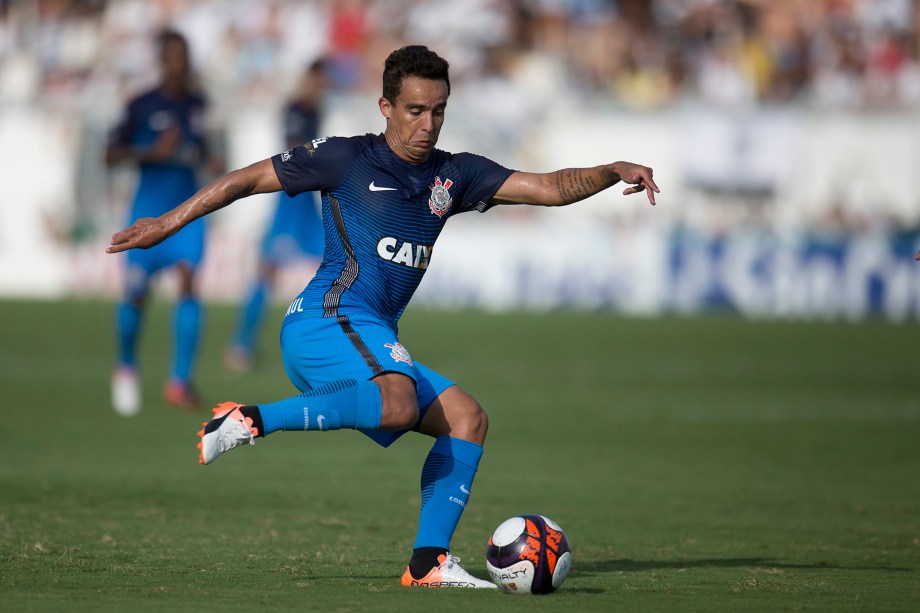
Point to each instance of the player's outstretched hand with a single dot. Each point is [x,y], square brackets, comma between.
[640,177]
[142,234]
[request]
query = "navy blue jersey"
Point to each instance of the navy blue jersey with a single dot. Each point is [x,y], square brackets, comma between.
[163,184]
[381,218]
[300,124]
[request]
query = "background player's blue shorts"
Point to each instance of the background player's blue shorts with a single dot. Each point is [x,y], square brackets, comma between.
[319,350]
[186,245]
[159,191]
[296,230]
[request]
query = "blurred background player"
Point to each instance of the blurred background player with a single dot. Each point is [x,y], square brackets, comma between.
[296,231]
[162,133]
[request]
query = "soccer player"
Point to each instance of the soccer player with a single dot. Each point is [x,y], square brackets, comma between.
[385,200]
[162,133]
[296,230]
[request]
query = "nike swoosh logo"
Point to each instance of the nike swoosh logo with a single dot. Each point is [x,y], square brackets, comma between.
[319,422]
[374,188]
[463,489]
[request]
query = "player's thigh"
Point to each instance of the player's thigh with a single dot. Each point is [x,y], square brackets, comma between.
[399,410]
[429,385]
[139,267]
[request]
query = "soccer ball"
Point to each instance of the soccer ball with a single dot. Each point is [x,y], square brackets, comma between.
[528,554]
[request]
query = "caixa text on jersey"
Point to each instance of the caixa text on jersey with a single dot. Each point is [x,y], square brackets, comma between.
[403,252]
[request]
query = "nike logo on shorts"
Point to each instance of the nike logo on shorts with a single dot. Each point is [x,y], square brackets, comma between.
[374,188]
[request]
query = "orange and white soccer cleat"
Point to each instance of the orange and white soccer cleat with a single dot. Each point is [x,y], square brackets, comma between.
[181,395]
[228,429]
[448,573]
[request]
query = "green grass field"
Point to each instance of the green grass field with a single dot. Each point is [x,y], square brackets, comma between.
[696,464]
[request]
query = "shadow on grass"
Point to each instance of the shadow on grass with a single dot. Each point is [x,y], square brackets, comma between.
[632,566]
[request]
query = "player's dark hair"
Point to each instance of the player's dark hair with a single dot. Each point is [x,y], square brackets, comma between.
[164,37]
[317,66]
[412,61]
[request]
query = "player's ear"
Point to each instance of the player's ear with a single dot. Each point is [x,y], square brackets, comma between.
[385,107]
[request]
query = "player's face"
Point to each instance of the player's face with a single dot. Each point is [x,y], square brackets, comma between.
[175,60]
[414,119]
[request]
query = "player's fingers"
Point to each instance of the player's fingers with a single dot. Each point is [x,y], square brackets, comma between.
[651,183]
[122,240]
[119,243]
[633,189]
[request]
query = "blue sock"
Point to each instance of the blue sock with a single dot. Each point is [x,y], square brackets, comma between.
[247,328]
[447,477]
[129,324]
[341,404]
[187,330]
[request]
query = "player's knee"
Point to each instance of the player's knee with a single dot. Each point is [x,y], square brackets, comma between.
[475,425]
[469,422]
[186,280]
[137,286]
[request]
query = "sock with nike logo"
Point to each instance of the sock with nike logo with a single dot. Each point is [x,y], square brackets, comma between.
[341,404]
[447,477]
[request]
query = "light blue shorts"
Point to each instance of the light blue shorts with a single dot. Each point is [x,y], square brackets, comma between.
[186,246]
[156,194]
[296,231]
[320,350]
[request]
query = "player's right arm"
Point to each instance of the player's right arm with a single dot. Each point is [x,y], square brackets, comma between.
[258,178]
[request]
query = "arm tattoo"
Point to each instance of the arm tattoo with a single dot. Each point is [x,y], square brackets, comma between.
[235,191]
[217,198]
[574,184]
[608,177]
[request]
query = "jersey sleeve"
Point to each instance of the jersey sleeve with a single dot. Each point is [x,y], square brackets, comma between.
[319,165]
[123,133]
[483,179]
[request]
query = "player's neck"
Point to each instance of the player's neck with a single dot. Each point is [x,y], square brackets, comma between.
[174,88]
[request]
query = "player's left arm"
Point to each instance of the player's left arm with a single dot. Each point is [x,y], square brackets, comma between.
[573,184]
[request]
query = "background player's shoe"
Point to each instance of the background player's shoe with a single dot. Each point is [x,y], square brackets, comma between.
[228,429]
[181,395]
[448,573]
[126,391]
[238,359]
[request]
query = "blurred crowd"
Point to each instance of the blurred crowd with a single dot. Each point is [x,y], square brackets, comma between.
[635,54]
[537,84]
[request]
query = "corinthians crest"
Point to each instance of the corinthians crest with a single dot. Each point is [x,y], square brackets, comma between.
[440,199]
[399,353]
